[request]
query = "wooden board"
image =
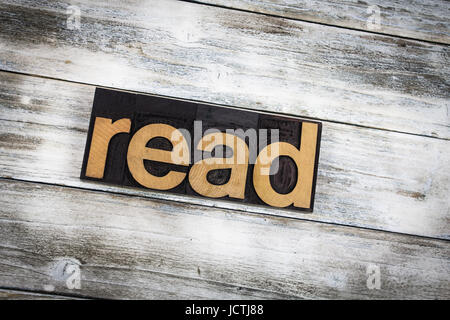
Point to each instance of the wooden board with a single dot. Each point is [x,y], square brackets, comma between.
[367,178]
[27,295]
[235,58]
[382,190]
[139,248]
[417,19]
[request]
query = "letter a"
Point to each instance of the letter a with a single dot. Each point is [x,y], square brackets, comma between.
[238,163]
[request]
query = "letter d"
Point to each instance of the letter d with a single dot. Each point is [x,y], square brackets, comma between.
[304,159]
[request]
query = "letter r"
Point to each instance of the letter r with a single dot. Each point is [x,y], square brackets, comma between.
[104,130]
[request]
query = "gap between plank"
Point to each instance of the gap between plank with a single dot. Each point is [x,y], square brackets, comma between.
[46,293]
[215,207]
[313,22]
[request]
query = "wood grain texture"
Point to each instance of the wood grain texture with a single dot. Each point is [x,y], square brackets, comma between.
[424,20]
[366,177]
[28,295]
[104,130]
[139,248]
[236,58]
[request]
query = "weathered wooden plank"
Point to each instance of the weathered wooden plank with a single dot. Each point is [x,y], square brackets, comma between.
[418,19]
[366,177]
[236,58]
[27,295]
[139,248]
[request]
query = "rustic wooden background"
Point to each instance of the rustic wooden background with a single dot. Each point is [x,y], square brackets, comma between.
[381,90]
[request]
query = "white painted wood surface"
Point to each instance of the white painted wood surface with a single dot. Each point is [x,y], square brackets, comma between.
[419,19]
[234,58]
[366,177]
[383,185]
[139,248]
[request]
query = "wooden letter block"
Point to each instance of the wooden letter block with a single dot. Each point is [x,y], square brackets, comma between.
[104,130]
[138,152]
[238,163]
[202,150]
